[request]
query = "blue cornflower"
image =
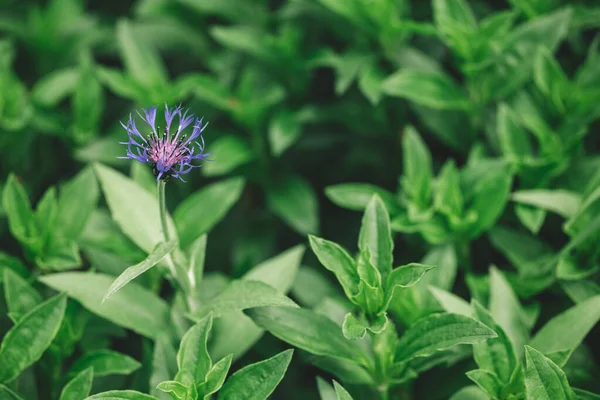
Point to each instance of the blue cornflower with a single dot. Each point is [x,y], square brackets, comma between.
[170,153]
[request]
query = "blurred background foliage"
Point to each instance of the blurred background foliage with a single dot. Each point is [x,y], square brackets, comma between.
[476,122]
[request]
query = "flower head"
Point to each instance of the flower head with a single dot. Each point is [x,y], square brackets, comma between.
[171,152]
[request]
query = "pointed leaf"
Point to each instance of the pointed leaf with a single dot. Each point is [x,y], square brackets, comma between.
[105,362]
[307,330]
[198,213]
[568,329]
[133,307]
[257,381]
[243,294]
[376,236]
[160,251]
[337,260]
[25,342]
[193,359]
[544,380]
[133,208]
[439,332]
[21,297]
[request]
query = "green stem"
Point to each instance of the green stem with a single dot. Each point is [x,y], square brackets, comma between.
[162,206]
[179,278]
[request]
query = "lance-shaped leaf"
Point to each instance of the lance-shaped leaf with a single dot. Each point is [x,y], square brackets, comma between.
[495,355]
[439,332]
[198,213]
[431,89]
[337,260]
[244,294]
[376,236]
[133,307]
[133,208]
[487,381]
[160,251]
[21,297]
[193,359]
[215,377]
[79,387]
[568,329]
[308,331]
[544,380]
[403,277]
[257,381]
[25,342]
[105,362]
[121,395]
[356,196]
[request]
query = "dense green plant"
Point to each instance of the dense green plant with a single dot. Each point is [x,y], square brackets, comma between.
[465,133]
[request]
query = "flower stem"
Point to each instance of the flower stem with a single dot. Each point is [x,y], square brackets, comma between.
[162,205]
[178,274]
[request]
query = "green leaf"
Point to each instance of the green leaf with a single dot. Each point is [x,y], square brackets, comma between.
[8,394]
[356,196]
[487,381]
[495,355]
[417,168]
[430,89]
[121,84]
[294,200]
[342,394]
[562,202]
[176,390]
[132,307]
[257,381]
[87,103]
[326,391]
[451,303]
[18,210]
[164,362]
[568,329]
[243,294]
[193,359]
[21,297]
[506,310]
[105,362]
[370,78]
[160,251]
[531,217]
[448,198]
[544,379]
[354,329]
[54,87]
[284,131]
[439,332]
[550,78]
[121,395]
[514,140]
[337,260]
[307,330]
[198,213]
[140,58]
[404,276]
[216,377]
[489,198]
[76,203]
[25,342]
[229,153]
[133,208]
[197,255]
[456,24]
[376,236]
[235,332]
